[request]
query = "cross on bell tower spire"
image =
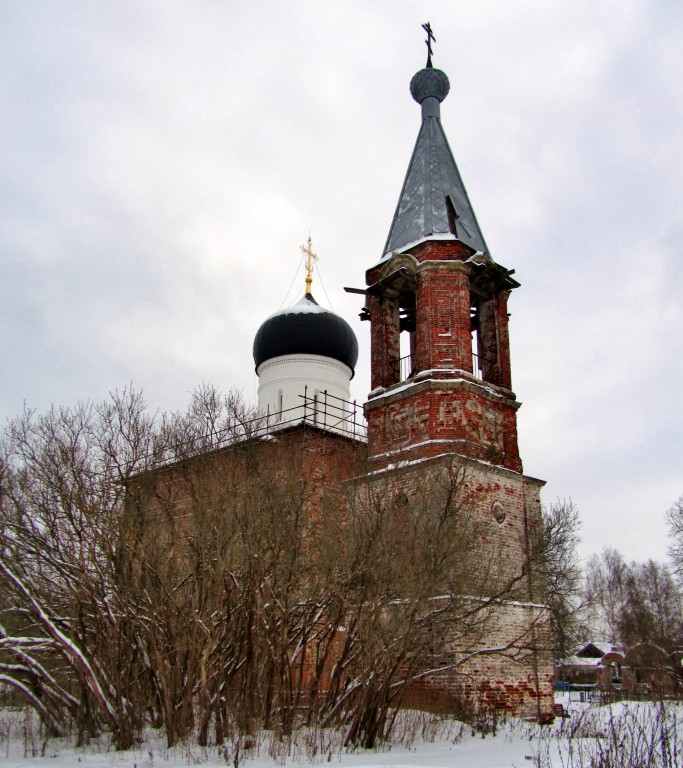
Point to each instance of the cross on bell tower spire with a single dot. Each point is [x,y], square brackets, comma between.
[428,42]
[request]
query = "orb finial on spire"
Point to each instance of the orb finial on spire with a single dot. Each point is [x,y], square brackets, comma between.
[311,258]
[429,82]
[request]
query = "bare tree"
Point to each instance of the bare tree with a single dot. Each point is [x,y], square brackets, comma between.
[635,603]
[562,573]
[60,508]
[606,594]
[424,590]
[674,519]
[653,611]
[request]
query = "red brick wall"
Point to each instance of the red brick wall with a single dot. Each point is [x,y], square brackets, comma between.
[443,334]
[494,341]
[441,406]
[519,679]
[384,341]
[439,415]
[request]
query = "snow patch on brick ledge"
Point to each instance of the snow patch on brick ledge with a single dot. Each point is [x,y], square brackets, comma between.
[413,462]
[424,377]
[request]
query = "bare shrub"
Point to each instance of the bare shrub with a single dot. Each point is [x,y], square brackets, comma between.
[191,572]
[623,736]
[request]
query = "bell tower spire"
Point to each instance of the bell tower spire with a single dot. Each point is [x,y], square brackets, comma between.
[433,202]
[437,287]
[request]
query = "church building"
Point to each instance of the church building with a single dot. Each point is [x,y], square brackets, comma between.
[441,398]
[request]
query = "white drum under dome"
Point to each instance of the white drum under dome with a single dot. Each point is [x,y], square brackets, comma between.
[305,357]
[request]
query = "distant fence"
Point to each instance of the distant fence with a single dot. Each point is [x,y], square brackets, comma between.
[597,697]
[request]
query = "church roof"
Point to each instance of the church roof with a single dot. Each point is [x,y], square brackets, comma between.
[306,328]
[433,203]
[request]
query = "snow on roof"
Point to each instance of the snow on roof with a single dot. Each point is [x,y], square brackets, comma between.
[581,661]
[591,655]
[303,306]
[597,648]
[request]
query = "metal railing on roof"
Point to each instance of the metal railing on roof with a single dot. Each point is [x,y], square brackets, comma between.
[323,411]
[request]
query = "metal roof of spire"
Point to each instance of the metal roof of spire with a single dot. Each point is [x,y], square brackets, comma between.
[433,203]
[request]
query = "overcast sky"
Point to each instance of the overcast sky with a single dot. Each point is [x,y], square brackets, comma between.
[161,163]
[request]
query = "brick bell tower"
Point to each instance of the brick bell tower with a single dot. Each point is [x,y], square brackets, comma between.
[437,305]
[442,397]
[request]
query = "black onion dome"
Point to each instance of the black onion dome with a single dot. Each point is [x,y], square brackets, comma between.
[429,82]
[306,329]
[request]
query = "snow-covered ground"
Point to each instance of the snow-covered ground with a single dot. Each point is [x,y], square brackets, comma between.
[638,735]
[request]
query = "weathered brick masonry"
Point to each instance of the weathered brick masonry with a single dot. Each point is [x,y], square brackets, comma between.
[505,660]
[442,402]
[515,682]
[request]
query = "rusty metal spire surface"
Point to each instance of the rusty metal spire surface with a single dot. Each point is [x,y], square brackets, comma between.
[433,203]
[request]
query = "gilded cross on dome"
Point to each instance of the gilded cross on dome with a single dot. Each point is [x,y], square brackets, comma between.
[311,258]
[428,42]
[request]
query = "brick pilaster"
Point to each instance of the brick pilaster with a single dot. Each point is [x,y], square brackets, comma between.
[494,341]
[384,341]
[443,333]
